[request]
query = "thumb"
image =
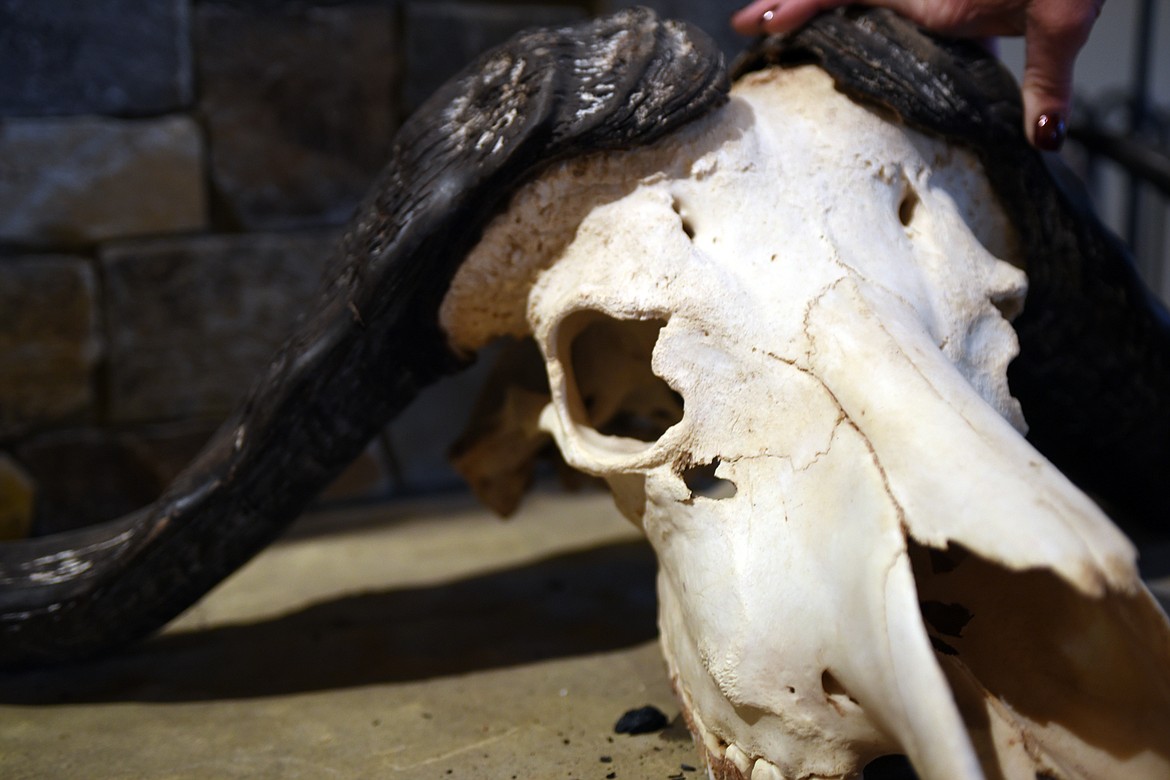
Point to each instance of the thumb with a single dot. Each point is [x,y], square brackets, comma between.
[1055,32]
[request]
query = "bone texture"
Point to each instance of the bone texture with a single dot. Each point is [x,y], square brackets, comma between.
[780,336]
[1094,366]
[892,568]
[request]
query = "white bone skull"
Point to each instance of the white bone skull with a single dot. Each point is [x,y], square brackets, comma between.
[780,337]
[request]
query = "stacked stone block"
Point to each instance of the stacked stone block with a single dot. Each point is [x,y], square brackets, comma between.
[173,174]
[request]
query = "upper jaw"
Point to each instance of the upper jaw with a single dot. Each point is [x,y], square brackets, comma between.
[843,536]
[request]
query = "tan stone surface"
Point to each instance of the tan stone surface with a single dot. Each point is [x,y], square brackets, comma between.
[298,105]
[86,476]
[85,179]
[193,321]
[425,641]
[49,342]
[16,500]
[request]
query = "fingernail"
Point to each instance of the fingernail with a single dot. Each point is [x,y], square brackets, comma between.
[1050,132]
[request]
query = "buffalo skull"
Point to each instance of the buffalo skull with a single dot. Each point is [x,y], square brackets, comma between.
[781,337]
[777,324]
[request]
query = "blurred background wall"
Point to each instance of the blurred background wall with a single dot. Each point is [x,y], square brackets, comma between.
[173,174]
[1122,113]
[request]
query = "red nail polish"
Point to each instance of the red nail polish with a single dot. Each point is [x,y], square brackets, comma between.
[1050,131]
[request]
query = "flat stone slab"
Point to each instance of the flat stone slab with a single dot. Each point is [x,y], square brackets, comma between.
[404,641]
[298,105]
[16,500]
[414,641]
[125,57]
[82,180]
[49,340]
[193,322]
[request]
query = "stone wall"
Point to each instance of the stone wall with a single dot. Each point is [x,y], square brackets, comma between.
[172,176]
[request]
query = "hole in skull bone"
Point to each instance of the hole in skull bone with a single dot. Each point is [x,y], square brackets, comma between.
[687,226]
[833,688]
[1010,304]
[702,482]
[908,206]
[612,387]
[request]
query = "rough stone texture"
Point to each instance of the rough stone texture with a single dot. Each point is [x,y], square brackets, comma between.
[405,642]
[16,500]
[172,446]
[125,57]
[443,37]
[298,105]
[193,321]
[49,342]
[85,476]
[82,180]
[397,642]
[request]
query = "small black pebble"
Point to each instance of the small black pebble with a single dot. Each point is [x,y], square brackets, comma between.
[641,721]
[686,767]
[611,776]
[606,759]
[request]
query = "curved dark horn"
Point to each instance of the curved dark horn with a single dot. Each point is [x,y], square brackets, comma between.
[1093,375]
[373,341]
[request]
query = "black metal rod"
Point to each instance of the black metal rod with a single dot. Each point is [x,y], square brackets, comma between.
[1145,164]
[1139,108]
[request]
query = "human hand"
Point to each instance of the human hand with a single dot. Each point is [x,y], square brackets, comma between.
[1054,32]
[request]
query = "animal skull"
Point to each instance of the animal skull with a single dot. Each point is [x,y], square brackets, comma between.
[781,336]
[777,328]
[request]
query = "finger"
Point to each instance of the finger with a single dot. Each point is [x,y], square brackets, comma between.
[749,20]
[779,16]
[1056,31]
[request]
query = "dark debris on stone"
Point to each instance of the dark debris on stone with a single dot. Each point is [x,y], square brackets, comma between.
[643,720]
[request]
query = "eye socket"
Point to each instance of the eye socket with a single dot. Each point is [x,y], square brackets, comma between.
[611,385]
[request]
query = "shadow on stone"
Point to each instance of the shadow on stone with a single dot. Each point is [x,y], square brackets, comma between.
[574,604]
